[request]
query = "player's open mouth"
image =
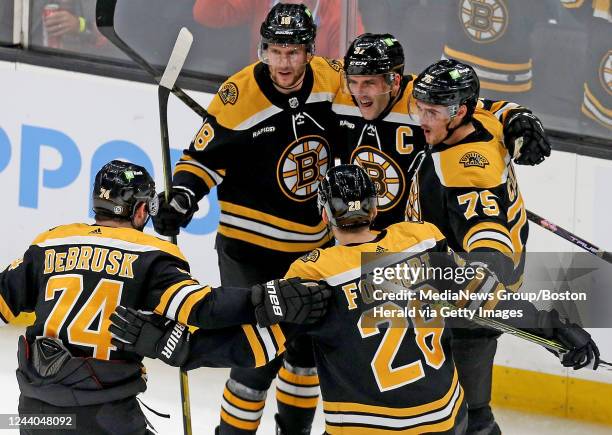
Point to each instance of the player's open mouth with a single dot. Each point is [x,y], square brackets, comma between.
[365,103]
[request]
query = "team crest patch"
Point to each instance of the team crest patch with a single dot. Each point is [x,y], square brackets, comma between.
[483,21]
[336,65]
[605,72]
[473,158]
[311,256]
[228,93]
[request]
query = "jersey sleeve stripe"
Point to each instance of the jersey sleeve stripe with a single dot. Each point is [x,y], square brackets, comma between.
[488,243]
[192,299]
[198,172]
[169,293]
[487,286]
[256,347]
[266,338]
[6,315]
[279,338]
[265,242]
[179,298]
[489,230]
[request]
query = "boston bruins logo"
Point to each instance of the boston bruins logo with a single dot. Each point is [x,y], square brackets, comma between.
[384,172]
[483,21]
[301,166]
[605,72]
[472,158]
[228,93]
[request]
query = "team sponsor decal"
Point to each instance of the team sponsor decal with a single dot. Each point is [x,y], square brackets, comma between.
[472,158]
[605,72]
[228,93]
[384,172]
[301,166]
[311,256]
[483,21]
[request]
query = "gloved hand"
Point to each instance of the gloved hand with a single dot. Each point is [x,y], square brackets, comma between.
[290,300]
[150,335]
[525,138]
[582,350]
[169,216]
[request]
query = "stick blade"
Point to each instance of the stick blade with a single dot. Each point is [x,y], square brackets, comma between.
[177,58]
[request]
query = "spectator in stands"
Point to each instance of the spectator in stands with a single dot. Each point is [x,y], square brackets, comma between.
[228,13]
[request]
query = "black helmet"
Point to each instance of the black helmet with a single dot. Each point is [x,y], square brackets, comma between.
[120,187]
[288,24]
[372,54]
[449,83]
[348,196]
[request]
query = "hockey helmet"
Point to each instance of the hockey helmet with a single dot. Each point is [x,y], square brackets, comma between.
[348,196]
[449,83]
[288,24]
[120,187]
[373,54]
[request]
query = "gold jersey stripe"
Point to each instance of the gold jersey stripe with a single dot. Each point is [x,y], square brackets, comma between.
[192,299]
[241,403]
[256,348]
[441,426]
[6,311]
[488,243]
[470,58]
[236,422]
[188,158]
[265,242]
[270,219]
[198,172]
[523,87]
[129,235]
[299,402]
[279,337]
[484,226]
[349,407]
[309,380]
[169,292]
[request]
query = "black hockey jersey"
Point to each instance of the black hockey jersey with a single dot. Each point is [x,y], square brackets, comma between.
[386,147]
[469,190]
[74,276]
[266,152]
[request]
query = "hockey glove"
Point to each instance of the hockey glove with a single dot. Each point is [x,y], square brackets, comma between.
[289,300]
[170,215]
[525,138]
[582,350]
[150,335]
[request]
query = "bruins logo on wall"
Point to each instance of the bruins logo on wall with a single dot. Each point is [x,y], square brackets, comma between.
[228,93]
[473,158]
[301,166]
[605,72]
[384,172]
[483,21]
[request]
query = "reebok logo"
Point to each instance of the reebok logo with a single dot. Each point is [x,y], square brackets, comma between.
[274,298]
[175,336]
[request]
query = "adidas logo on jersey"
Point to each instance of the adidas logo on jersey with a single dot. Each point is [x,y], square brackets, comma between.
[473,158]
[96,231]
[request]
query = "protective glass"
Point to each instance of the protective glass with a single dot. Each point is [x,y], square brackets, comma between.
[368,85]
[279,55]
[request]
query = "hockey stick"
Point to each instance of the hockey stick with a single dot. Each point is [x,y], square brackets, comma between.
[105,21]
[166,84]
[546,224]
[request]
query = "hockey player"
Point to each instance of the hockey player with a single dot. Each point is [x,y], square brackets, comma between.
[380,374]
[380,133]
[265,145]
[466,185]
[73,277]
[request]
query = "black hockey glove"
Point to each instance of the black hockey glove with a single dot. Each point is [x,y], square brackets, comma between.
[582,350]
[525,138]
[169,216]
[150,335]
[290,300]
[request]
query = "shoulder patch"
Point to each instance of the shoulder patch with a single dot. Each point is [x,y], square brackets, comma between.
[228,93]
[15,264]
[473,158]
[335,64]
[311,256]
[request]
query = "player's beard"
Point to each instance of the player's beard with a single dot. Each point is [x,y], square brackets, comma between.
[298,79]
